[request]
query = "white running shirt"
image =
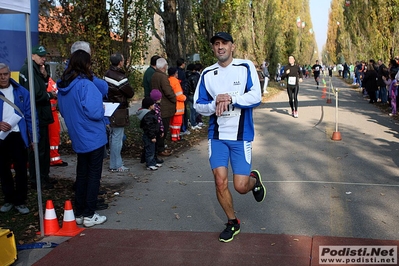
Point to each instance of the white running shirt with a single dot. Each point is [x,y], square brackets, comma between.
[240,80]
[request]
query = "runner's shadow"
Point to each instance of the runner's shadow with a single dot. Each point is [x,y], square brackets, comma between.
[281,111]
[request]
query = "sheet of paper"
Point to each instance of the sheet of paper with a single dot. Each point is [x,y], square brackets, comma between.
[110,108]
[13,121]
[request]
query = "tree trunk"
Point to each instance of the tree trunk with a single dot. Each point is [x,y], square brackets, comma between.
[169,17]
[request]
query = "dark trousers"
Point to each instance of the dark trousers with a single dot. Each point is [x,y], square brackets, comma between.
[316,76]
[293,97]
[372,94]
[184,125]
[13,151]
[383,94]
[43,147]
[161,140]
[193,112]
[397,101]
[149,151]
[88,174]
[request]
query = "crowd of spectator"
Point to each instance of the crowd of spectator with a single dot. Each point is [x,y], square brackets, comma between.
[377,80]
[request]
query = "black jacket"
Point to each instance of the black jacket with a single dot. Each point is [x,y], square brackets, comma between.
[119,89]
[370,80]
[42,98]
[295,71]
[382,71]
[148,123]
[192,81]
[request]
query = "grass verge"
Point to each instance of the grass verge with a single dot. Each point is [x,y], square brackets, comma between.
[26,227]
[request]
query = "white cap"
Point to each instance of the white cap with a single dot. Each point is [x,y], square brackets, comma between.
[81,45]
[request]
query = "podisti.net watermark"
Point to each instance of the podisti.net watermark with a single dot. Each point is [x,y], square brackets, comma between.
[358,255]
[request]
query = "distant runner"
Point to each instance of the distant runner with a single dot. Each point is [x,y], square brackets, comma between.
[316,72]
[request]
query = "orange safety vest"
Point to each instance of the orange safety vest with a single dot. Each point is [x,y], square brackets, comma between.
[54,129]
[52,86]
[177,120]
[180,97]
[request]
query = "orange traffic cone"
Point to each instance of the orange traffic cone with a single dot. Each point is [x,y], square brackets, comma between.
[69,227]
[51,225]
[323,95]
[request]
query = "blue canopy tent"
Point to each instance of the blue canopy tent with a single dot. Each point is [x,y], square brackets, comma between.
[24,7]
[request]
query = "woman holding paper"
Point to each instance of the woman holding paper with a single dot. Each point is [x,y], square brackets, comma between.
[293,74]
[81,104]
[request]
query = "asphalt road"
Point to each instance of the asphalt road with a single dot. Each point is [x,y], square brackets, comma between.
[315,185]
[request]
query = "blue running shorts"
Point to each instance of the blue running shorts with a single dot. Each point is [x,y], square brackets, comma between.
[239,153]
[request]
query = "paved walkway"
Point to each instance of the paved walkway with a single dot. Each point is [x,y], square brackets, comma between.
[138,247]
[320,192]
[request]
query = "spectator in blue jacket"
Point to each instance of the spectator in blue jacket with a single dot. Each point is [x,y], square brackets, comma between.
[81,104]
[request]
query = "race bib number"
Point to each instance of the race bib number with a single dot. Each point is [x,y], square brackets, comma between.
[317,69]
[231,110]
[291,80]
